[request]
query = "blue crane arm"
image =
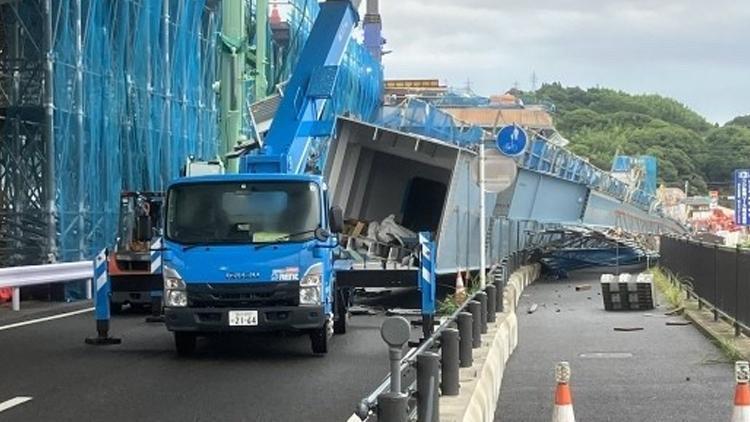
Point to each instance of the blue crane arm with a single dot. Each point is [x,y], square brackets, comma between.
[299,118]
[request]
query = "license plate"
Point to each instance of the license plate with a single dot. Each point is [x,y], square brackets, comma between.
[243,318]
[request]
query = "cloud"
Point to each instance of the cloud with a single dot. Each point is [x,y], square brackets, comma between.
[695,51]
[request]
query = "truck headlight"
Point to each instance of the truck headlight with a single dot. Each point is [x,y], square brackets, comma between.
[310,286]
[176,298]
[175,294]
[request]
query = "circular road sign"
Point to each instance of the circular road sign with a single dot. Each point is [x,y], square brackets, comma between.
[512,140]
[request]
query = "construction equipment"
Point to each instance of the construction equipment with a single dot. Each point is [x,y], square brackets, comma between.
[129,264]
[254,251]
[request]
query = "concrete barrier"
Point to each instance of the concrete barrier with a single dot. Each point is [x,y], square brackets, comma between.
[480,384]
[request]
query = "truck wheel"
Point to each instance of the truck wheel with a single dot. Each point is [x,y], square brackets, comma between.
[341,319]
[319,340]
[184,343]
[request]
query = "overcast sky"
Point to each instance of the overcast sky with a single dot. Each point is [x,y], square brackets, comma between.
[695,51]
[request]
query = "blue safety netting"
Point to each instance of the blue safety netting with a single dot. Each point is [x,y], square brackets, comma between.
[545,157]
[646,166]
[359,86]
[145,105]
[144,108]
[423,118]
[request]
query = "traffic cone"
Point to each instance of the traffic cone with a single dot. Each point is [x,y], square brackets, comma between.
[741,412]
[460,293]
[563,411]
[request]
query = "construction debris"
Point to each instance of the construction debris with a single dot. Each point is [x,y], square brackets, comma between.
[628,329]
[582,287]
[403,312]
[532,308]
[386,242]
[678,323]
[362,310]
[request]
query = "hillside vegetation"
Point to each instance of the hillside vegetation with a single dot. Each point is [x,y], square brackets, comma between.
[601,122]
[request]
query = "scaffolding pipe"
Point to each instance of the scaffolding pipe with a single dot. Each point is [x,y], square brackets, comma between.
[19,201]
[232,85]
[79,130]
[261,40]
[166,166]
[49,135]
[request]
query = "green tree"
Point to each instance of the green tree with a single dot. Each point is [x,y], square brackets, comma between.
[743,121]
[602,122]
[726,149]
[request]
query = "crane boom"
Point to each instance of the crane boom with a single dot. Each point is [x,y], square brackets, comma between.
[299,118]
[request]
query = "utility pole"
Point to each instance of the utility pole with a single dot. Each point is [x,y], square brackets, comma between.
[482,222]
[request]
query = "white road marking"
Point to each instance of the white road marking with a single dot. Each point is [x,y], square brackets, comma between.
[15,401]
[45,319]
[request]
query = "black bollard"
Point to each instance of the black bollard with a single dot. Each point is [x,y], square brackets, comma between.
[449,379]
[465,352]
[482,299]
[476,324]
[428,399]
[491,303]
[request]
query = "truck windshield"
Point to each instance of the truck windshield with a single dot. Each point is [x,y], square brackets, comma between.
[242,212]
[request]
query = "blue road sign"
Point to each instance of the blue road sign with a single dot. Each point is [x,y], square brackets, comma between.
[512,140]
[742,197]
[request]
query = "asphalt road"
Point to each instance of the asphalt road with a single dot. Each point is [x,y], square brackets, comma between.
[269,378]
[663,373]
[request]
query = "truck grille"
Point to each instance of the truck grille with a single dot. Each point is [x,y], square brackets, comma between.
[220,295]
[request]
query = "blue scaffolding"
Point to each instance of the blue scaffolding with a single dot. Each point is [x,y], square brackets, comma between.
[97,97]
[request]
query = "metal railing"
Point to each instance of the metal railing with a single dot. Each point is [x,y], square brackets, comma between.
[718,276]
[411,391]
[32,275]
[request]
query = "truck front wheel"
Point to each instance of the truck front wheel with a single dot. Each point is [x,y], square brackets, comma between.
[184,343]
[319,339]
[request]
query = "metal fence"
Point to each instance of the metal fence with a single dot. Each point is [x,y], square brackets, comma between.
[412,389]
[719,276]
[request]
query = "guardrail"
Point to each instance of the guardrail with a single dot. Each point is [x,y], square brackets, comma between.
[718,276]
[32,275]
[410,391]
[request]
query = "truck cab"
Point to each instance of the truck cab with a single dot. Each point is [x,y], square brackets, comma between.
[250,253]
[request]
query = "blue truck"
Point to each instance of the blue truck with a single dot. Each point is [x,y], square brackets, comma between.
[253,251]
[262,250]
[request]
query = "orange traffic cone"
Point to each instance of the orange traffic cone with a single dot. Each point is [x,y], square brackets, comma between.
[563,411]
[741,412]
[460,293]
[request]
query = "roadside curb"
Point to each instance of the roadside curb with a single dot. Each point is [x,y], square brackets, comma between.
[480,384]
[718,331]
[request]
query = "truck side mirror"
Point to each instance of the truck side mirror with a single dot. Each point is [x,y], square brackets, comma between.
[336,218]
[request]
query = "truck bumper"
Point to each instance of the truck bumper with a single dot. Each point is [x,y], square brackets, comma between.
[215,320]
